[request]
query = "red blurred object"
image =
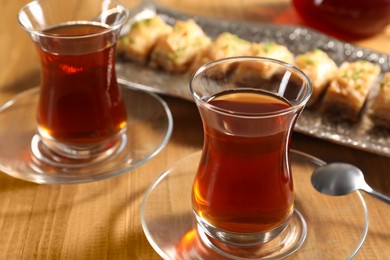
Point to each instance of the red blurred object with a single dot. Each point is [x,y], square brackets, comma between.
[346,19]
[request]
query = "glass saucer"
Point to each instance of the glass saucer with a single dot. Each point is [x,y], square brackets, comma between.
[170,227]
[149,128]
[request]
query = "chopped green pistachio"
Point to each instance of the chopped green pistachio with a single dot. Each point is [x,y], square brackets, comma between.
[144,22]
[268,46]
[311,60]
[384,83]
[125,40]
[355,75]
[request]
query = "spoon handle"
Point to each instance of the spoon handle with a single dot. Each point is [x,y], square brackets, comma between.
[378,195]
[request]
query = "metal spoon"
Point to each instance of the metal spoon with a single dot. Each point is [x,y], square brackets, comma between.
[342,179]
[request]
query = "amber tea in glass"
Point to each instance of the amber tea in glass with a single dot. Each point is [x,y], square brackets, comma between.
[243,191]
[81,113]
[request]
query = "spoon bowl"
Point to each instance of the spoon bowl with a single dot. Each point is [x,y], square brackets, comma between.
[341,179]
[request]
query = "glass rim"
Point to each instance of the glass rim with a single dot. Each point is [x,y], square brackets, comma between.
[41,32]
[290,67]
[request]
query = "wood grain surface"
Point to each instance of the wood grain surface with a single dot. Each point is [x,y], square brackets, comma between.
[101,220]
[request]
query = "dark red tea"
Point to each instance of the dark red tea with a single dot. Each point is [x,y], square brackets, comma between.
[345,18]
[243,183]
[80,101]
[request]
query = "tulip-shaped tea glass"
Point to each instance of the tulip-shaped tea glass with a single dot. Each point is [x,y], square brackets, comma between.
[243,192]
[81,114]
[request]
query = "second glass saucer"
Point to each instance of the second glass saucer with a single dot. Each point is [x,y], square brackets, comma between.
[170,226]
[149,128]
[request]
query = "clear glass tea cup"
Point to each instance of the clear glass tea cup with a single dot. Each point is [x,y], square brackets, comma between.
[81,114]
[243,192]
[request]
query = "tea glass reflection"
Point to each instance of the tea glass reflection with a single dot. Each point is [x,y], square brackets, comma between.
[243,192]
[81,114]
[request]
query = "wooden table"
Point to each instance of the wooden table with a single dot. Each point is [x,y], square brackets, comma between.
[101,220]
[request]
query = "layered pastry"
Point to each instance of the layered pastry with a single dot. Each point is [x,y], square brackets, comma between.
[257,71]
[272,50]
[348,91]
[224,46]
[320,68]
[143,35]
[175,52]
[380,113]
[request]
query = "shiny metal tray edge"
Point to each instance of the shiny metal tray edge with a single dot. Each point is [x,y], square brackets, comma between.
[362,135]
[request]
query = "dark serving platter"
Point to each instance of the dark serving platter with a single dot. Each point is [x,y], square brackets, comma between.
[360,135]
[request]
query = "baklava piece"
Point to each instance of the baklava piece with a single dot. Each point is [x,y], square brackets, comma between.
[272,50]
[320,68]
[224,46]
[348,91]
[255,71]
[176,51]
[381,106]
[143,35]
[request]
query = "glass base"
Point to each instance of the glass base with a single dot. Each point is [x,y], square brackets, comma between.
[23,154]
[171,227]
[52,148]
[242,239]
[74,157]
[285,243]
